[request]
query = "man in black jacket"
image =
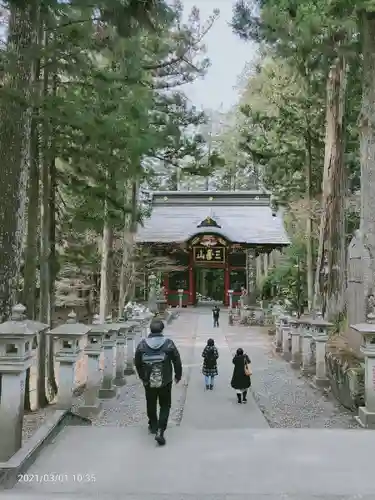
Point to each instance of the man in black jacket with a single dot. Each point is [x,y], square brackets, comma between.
[155,358]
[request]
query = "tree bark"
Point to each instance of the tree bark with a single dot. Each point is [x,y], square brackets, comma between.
[309,238]
[45,298]
[106,267]
[125,256]
[15,117]
[53,262]
[367,148]
[331,262]
[106,271]
[31,250]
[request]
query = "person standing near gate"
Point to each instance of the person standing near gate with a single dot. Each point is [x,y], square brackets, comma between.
[155,359]
[216,315]
[210,356]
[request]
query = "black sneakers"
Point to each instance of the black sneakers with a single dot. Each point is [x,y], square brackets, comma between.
[159,438]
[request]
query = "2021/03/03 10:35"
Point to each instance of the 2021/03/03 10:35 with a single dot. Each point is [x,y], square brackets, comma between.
[57,478]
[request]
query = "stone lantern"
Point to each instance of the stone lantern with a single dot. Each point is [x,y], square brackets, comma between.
[16,352]
[107,389]
[69,338]
[319,330]
[93,351]
[230,295]
[366,414]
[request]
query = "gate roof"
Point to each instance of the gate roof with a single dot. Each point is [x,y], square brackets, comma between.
[239,216]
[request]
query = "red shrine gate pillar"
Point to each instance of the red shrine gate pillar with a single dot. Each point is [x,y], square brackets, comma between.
[226,282]
[191,300]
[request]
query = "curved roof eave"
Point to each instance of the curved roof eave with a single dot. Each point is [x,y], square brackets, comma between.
[210,230]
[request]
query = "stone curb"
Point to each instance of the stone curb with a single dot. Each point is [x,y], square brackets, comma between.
[18,464]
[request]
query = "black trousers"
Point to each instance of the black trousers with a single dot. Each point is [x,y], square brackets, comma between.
[163,395]
[216,321]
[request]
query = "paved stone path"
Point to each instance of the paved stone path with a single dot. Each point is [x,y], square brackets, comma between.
[221,450]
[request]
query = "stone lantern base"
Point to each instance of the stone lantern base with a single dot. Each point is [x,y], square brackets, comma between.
[366,418]
[88,411]
[320,382]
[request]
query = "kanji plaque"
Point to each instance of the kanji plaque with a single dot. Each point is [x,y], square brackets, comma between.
[207,254]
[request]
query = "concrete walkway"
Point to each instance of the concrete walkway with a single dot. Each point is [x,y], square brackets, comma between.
[217,409]
[221,450]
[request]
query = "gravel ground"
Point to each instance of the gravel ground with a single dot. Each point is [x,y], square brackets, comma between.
[33,420]
[129,407]
[286,399]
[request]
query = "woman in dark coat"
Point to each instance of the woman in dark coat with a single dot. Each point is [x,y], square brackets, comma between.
[240,381]
[210,356]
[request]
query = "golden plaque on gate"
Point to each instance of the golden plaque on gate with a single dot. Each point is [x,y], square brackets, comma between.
[209,254]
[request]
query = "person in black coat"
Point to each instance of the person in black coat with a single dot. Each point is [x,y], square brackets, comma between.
[216,315]
[156,358]
[240,381]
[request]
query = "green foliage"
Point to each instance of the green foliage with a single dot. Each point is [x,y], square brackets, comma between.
[303,39]
[287,280]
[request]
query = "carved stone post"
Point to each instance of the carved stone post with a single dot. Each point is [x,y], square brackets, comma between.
[130,351]
[230,295]
[278,335]
[93,351]
[285,331]
[107,389]
[366,414]
[306,345]
[152,300]
[180,297]
[320,337]
[120,353]
[276,313]
[16,353]
[295,361]
[70,337]
[251,275]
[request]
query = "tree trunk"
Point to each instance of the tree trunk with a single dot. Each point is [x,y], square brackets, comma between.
[331,262]
[106,268]
[309,237]
[45,304]
[15,117]
[125,256]
[133,231]
[53,262]
[367,148]
[31,250]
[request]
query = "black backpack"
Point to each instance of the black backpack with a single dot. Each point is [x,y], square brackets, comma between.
[154,364]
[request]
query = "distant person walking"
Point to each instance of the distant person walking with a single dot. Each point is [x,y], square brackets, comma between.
[210,356]
[155,358]
[216,315]
[241,378]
